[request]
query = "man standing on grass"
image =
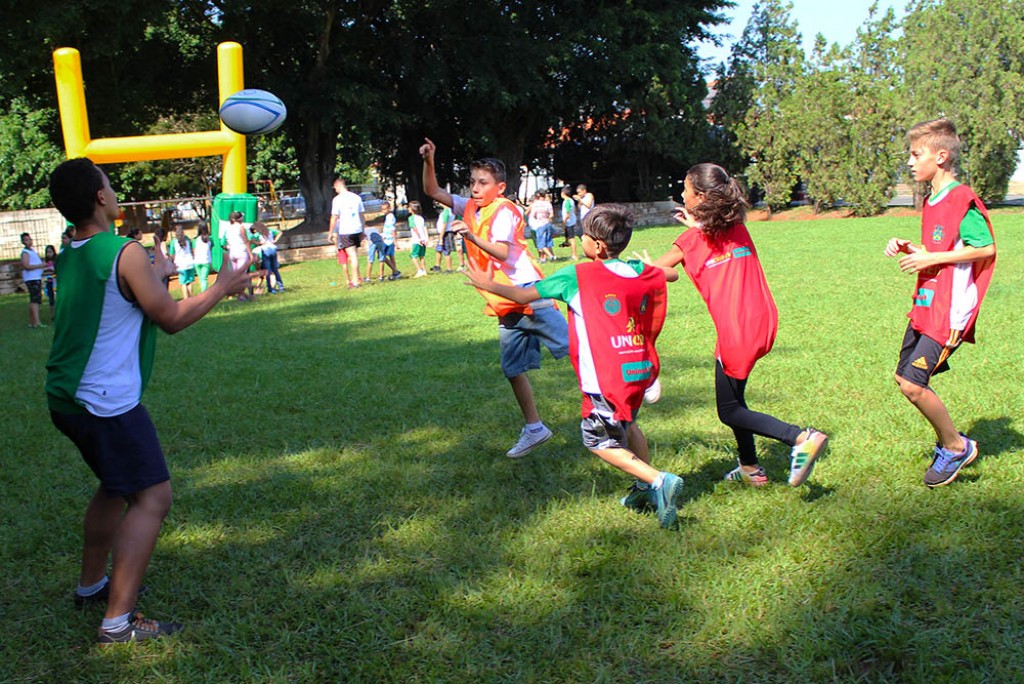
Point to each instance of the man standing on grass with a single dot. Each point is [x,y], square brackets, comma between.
[101,358]
[346,229]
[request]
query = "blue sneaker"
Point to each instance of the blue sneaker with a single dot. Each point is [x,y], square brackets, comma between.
[947,464]
[638,498]
[665,498]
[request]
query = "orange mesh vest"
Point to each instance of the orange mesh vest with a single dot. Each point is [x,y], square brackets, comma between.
[481,227]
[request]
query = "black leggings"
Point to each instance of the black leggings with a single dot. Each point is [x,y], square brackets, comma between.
[733,411]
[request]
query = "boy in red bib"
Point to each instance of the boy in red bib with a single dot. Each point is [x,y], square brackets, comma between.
[954,265]
[492,227]
[617,310]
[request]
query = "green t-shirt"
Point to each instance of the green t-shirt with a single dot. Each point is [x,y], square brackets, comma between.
[564,286]
[974,230]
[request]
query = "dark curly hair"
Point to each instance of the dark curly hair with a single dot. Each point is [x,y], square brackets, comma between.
[724,205]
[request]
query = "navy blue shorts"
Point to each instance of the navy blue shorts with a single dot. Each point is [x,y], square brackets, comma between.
[123,451]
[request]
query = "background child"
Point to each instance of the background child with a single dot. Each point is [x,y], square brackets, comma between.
[50,276]
[181,251]
[203,255]
[387,236]
[418,238]
[445,238]
[613,380]
[539,216]
[569,222]
[269,264]
[492,227]
[719,256]
[32,275]
[954,265]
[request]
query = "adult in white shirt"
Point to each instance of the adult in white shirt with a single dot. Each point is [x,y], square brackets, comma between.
[32,274]
[346,229]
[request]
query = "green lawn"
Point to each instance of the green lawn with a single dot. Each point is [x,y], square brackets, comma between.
[344,510]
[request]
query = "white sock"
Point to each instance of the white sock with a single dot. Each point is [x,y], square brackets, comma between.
[115,624]
[92,588]
[535,427]
[658,481]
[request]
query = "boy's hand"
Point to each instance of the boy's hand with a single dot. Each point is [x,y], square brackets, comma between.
[917,260]
[897,246]
[478,278]
[234,281]
[427,150]
[644,258]
[164,267]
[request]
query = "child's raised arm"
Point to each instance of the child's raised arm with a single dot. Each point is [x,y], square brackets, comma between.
[484,280]
[430,186]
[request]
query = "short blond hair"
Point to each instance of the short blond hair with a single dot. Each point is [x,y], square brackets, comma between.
[937,134]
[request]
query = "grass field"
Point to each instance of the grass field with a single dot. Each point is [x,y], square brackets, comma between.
[344,510]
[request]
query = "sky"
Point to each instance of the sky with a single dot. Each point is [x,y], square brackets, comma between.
[837,21]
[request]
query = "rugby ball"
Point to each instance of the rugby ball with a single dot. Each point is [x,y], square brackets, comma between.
[251,112]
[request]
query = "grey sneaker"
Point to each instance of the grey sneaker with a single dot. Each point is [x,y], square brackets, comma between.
[139,629]
[947,464]
[528,441]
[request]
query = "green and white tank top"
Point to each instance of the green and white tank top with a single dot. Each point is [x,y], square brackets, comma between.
[103,344]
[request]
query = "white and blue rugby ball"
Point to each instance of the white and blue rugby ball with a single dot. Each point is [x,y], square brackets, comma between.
[251,112]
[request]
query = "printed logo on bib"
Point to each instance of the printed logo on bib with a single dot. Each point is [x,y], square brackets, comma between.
[937,234]
[924,297]
[612,306]
[741,252]
[636,371]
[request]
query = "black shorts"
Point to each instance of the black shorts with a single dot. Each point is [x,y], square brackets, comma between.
[346,240]
[123,451]
[921,357]
[35,291]
[601,430]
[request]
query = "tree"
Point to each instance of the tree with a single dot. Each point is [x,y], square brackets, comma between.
[767,135]
[27,156]
[965,59]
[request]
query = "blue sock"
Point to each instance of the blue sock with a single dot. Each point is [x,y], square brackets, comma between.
[535,427]
[92,588]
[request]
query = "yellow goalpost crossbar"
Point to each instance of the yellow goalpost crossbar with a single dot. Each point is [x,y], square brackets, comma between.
[67,64]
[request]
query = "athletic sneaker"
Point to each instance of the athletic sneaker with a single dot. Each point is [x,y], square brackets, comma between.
[102,596]
[638,498]
[947,464]
[528,441]
[665,498]
[139,629]
[653,393]
[803,456]
[758,478]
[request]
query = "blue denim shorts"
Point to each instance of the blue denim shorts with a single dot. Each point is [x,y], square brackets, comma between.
[521,336]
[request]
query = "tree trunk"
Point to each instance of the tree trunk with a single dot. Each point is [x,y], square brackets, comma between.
[316,147]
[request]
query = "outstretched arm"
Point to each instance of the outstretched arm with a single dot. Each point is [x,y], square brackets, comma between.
[498,250]
[430,186]
[141,281]
[484,280]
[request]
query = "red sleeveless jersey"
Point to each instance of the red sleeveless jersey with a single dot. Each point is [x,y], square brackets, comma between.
[942,293]
[623,318]
[729,277]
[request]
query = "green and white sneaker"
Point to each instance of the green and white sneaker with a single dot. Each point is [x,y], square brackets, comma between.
[803,456]
[758,478]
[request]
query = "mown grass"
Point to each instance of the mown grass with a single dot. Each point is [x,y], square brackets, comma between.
[344,511]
